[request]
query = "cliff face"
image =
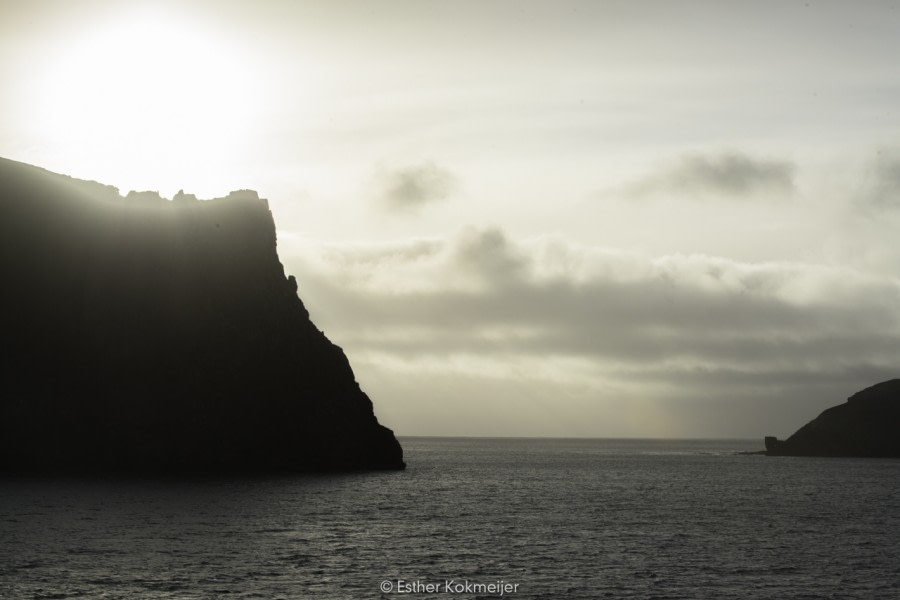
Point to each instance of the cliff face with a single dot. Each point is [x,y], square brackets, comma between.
[868,424]
[144,334]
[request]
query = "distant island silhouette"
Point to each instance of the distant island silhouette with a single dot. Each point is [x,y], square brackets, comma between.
[145,334]
[866,426]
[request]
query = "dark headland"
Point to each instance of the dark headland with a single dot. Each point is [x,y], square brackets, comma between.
[867,425]
[144,334]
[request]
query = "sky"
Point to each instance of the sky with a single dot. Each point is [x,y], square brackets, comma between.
[592,219]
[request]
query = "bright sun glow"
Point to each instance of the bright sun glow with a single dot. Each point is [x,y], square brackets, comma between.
[150,96]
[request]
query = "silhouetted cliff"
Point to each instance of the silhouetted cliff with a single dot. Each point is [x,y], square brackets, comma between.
[144,334]
[868,424]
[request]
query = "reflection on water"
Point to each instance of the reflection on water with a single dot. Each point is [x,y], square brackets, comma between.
[559,518]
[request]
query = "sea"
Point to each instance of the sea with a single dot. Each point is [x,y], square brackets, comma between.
[472,518]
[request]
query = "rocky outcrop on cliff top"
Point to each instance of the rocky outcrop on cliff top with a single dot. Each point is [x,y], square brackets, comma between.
[868,424]
[146,334]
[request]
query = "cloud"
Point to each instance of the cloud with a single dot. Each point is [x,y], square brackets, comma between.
[597,323]
[725,175]
[413,187]
[489,255]
[881,188]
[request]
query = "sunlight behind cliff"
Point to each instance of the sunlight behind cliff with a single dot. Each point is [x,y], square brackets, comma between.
[148,93]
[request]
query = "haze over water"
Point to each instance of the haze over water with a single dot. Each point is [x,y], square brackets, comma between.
[575,519]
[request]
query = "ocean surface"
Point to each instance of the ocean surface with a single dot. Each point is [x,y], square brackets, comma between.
[472,518]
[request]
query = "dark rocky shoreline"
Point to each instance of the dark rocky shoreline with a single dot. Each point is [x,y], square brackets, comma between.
[152,335]
[867,425]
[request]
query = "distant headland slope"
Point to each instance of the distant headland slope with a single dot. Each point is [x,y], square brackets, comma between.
[141,333]
[868,424]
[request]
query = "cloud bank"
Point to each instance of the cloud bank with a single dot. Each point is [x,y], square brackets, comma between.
[482,311]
